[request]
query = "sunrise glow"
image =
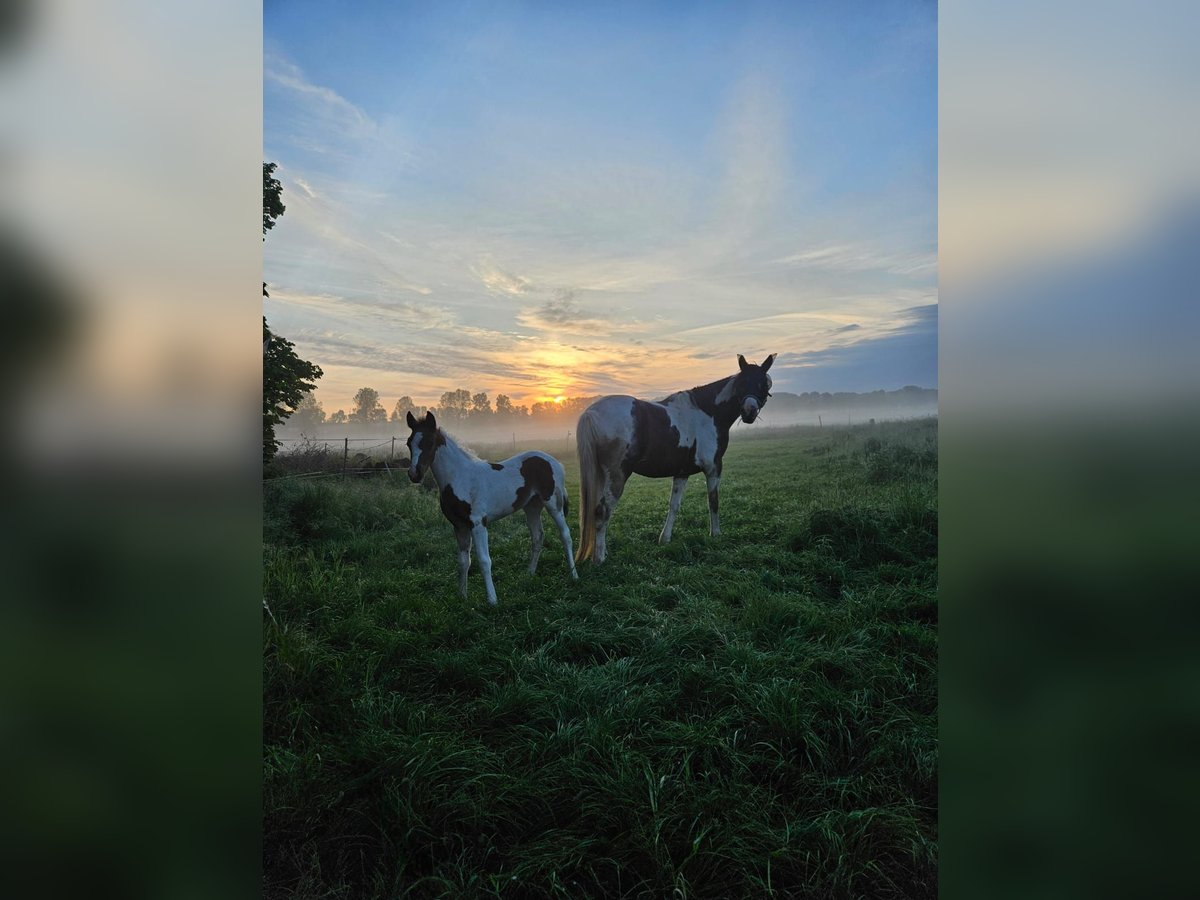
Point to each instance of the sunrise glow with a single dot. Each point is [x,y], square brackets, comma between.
[441,238]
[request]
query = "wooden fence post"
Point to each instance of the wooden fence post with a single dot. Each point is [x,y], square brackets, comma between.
[345,455]
[392,458]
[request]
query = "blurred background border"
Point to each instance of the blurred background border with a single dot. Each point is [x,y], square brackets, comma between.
[131,251]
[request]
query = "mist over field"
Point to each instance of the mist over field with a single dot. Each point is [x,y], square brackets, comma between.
[494,430]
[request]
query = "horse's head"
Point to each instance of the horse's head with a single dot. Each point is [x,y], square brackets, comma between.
[752,387]
[422,445]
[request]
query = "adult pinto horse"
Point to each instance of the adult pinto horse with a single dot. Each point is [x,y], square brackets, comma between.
[675,437]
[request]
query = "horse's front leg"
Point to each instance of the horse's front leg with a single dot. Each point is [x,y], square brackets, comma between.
[676,498]
[485,561]
[714,520]
[464,558]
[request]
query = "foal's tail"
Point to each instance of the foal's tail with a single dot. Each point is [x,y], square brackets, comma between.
[589,484]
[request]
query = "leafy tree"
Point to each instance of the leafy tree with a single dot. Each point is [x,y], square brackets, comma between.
[454,405]
[286,379]
[403,406]
[504,406]
[481,405]
[338,418]
[272,198]
[367,407]
[309,413]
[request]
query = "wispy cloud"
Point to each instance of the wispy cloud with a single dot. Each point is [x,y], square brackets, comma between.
[564,314]
[498,281]
[862,258]
[333,105]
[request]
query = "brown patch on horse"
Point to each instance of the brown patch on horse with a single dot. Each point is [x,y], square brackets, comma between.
[456,510]
[656,450]
[496,466]
[538,481]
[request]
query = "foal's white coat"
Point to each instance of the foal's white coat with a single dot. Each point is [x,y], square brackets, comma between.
[474,493]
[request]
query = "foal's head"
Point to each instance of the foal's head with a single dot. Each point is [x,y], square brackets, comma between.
[752,387]
[423,444]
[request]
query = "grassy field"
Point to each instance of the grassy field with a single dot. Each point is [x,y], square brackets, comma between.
[748,716]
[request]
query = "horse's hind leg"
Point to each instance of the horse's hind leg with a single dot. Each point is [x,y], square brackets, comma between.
[714,520]
[676,498]
[614,486]
[464,558]
[564,532]
[533,515]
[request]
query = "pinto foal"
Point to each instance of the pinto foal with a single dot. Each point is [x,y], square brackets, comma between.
[474,492]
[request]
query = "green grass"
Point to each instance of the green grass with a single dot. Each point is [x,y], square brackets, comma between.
[747,716]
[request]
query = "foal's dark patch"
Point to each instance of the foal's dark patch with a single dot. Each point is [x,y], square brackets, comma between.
[539,481]
[456,510]
[655,450]
[496,466]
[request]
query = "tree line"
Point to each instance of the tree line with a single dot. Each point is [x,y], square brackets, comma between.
[456,407]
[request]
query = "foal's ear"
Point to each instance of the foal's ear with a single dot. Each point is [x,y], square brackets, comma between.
[412,423]
[767,362]
[430,421]
[742,364]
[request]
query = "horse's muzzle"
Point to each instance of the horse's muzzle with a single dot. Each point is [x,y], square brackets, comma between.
[749,410]
[414,476]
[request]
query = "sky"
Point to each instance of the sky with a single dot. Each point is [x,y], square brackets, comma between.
[602,198]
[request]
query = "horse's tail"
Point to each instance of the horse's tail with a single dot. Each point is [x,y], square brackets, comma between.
[589,484]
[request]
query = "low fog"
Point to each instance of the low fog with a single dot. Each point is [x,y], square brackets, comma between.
[495,431]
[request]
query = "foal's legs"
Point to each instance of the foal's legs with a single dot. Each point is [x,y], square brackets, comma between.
[714,521]
[533,515]
[564,532]
[485,561]
[464,558]
[676,498]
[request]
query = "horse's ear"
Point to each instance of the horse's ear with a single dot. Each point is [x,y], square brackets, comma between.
[767,362]
[430,421]
[412,423]
[742,364]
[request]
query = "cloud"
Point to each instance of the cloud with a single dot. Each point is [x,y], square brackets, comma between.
[565,314]
[378,310]
[901,354]
[498,281]
[288,75]
[860,258]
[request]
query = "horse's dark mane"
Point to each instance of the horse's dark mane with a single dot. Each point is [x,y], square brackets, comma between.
[705,397]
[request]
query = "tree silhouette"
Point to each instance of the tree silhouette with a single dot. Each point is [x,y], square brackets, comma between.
[286,377]
[403,406]
[367,407]
[454,405]
[480,405]
[309,413]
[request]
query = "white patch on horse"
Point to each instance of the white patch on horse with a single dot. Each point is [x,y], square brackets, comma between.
[695,427]
[727,390]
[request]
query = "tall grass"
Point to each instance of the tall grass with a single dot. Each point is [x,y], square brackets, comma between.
[752,715]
